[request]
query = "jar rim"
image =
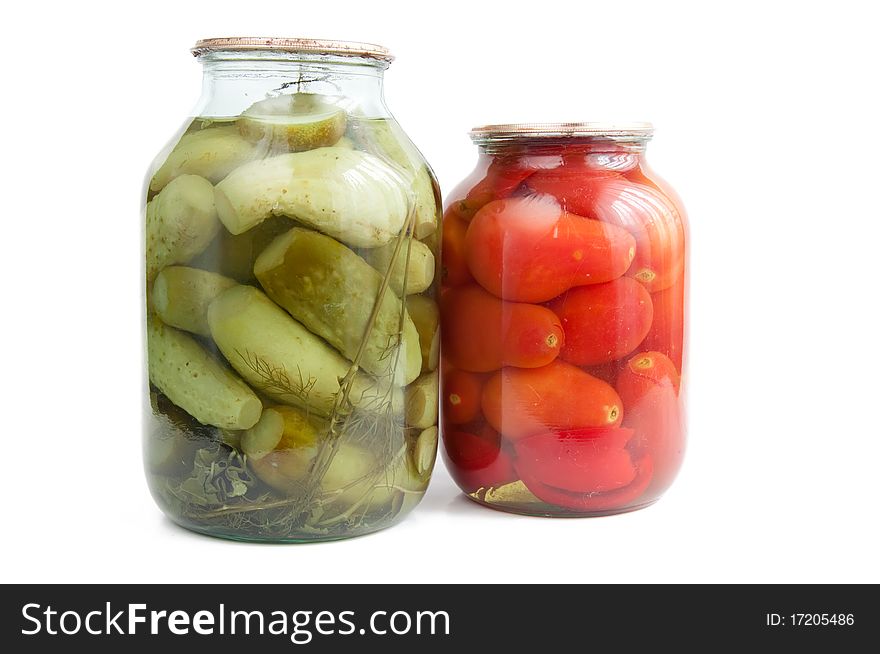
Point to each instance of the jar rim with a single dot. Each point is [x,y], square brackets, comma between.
[514,131]
[293,45]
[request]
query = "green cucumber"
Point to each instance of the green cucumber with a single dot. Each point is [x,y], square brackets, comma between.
[425,315]
[332,291]
[181,297]
[180,222]
[422,401]
[418,270]
[353,196]
[211,153]
[282,359]
[297,121]
[197,383]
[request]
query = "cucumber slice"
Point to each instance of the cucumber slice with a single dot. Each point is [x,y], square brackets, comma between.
[302,121]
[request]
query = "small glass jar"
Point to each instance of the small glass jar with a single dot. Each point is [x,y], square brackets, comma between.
[292,231]
[563,320]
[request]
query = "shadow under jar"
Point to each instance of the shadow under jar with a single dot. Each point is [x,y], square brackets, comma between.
[563,319]
[292,231]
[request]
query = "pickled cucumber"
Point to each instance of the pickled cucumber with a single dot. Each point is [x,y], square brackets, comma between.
[425,315]
[332,291]
[385,138]
[300,429]
[194,381]
[181,297]
[299,121]
[425,450]
[262,438]
[432,240]
[418,271]
[279,357]
[353,196]
[212,153]
[234,255]
[356,482]
[286,463]
[422,401]
[180,223]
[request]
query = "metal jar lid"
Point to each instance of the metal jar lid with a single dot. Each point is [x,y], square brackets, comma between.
[514,131]
[313,46]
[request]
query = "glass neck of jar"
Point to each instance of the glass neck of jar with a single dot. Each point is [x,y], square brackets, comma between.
[587,145]
[232,81]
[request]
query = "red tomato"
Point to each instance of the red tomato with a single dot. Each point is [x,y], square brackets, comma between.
[603,322]
[482,333]
[595,502]
[667,331]
[453,211]
[462,393]
[528,249]
[521,402]
[476,460]
[578,460]
[652,219]
[573,184]
[452,254]
[503,177]
[642,373]
[649,388]
[643,209]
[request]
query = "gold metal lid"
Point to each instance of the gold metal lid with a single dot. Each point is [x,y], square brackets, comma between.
[512,131]
[315,46]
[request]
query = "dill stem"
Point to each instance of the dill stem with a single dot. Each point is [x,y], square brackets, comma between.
[327,449]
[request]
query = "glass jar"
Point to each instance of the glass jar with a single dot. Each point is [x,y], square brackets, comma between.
[292,231]
[563,317]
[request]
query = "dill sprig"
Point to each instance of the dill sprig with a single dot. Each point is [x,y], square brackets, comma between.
[276,380]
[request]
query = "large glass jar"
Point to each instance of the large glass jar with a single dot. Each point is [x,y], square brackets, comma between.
[292,231]
[563,317]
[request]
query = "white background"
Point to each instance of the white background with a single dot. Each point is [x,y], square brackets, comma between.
[767,119]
